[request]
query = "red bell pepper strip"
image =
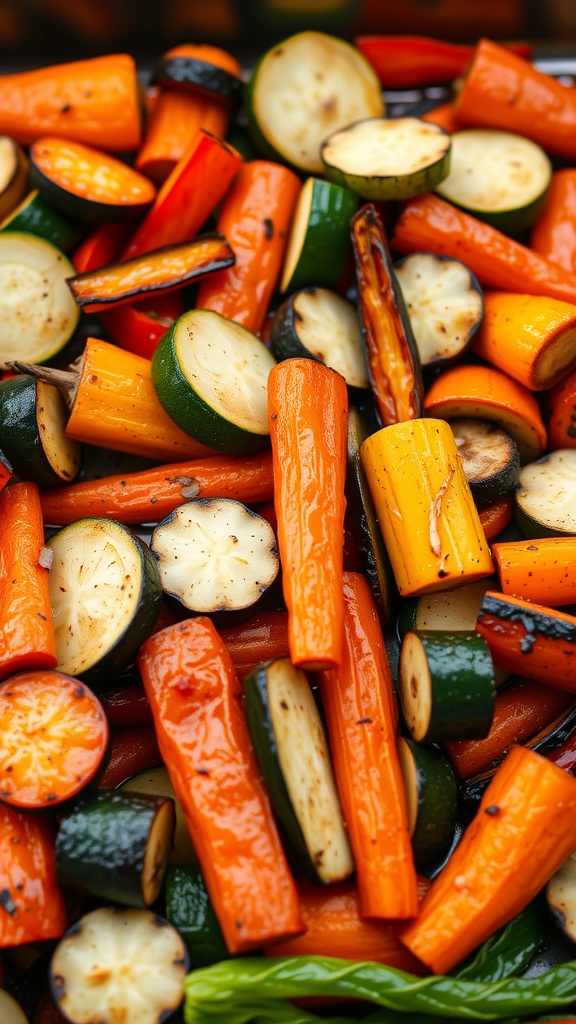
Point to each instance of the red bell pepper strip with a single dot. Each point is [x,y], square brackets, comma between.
[127,706]
[101,247]
[405,62]
[5,470]
[138,328]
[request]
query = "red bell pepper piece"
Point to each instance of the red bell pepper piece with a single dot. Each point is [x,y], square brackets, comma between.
[132,751]
[404,62]
[128,705]
[101,247]
[139,327]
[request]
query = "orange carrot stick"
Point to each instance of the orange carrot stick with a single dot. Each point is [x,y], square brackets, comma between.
[195,699]
[502,90]
[530,337]
[26,625]
[308,412]
[255,218]
[264,637]
[554,233]
[93,101]
[335,927]
[177,115]
[531,640]
[539,570]
[150,494]
[444,117]
[362,719]
[562,413]
[32,904]
[524,830]
[521,710]
[429,224]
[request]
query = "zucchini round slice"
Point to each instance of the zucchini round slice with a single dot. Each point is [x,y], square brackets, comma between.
[119,965]
[13,175]
[446,686]
[38,314]
[444,303]
[546,496]
[387,158]
[211,378]
[490,457]
[10,1011]
[320,236]
[37,218]
[91,859]
[292,750]
[156,782]
[86,184]
[321,325]
[215,555]
[499,177]
[33,418]
[561,896]
[43,766]
[432,799]
[105,594]
[305,88]
[199,76]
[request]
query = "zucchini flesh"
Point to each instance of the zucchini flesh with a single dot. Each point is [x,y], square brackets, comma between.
[319,237]
[105,596]
[321,325]
[115,846]
[561,896]
[10,1011]
[13,175]
[38,315]
[154,273]
[305,88]
[449,610]
[546,495]
[33,418]
[500,177]
[387,158]
[214,555]
[156,782]
[54,739]
[444,303]
[490,457]
[117,966]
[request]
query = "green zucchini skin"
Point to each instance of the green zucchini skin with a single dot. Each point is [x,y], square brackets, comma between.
[436,800]
[189,909]
[101,845]
[460,680]
[257,709]
[199,76]
[34,216]
[326,238]
[186,406]
[20,436]
[362,514]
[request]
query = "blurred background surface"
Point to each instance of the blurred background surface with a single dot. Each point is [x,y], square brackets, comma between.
[42,31]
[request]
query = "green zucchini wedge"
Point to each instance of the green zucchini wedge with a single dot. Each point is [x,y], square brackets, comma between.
[561,897]
[86,184]
[391,352]
[292,751]
[115,846]
[305,88]
[387,157]
[105,595]
[444,303]
[499,177]
[446,685]
[363,522]
[432,799]
[37,312]
[199,76]
[13,175]
[319,324]
[33,416]
[119,964]
[319,239]
[190,910]
[34,216]
[210,376]
[215,555]
[490,458]
[546,496]
[156,782]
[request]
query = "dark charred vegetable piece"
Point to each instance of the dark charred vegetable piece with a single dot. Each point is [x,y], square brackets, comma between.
[199,76]
[490,456]
[393,360]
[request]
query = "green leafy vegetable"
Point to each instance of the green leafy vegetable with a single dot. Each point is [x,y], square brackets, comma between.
[508,951]
[247,990]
